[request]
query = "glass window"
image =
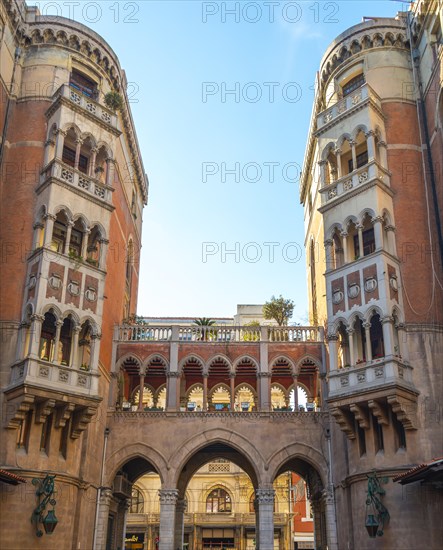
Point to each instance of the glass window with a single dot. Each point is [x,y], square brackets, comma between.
[353,84]
[83,84]
[368,243]
[137,502]
[218,501]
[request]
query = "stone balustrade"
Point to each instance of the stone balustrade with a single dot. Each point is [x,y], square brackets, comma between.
[354,100]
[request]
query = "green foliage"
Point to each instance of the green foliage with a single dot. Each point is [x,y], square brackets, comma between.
[114,101]
[279,309]
[205,334]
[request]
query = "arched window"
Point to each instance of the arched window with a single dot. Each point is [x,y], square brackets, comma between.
[47,338]
[137,502]
[64,346]
[376,332]
[217,501]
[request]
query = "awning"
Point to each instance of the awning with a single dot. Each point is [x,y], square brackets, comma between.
[428,471]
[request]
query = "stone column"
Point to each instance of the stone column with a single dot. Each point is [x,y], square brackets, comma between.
[84,249]
[171,390]
[367,327]
[92,160]
[403,349]
[265,501]
[59,143]
[68,237]
[74,351]
[354,155]
[378,232]
[344,236]
[95,350]
[110,168]
[58,328]
[205,392]
[382,151]
[232,389]
[390,237]
[101,529]
[295,382]
[140,392]
[38,227]
[102,253]
[126,506]
[168,499]
[333,352]
[180,510]
[388,335]
[36,330]
[350,332]
[49,229]
[48,144]
[370,141]
[78,146]
[264,381]
[328,254]
[322,164]
[338,157]
[360,240]
[330,518]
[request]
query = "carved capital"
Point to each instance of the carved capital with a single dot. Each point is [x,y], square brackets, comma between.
[37,318]
[387,319]
[265,496]
[168,496]
[377,219]
[264,375]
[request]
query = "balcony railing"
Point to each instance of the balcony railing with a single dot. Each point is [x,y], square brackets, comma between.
[343,106]
[355,179]
[92,107]
[206,519]
[215,334]
[76,179]
[61,378]
[369,375]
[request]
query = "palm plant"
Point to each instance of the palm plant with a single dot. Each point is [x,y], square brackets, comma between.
[203,332]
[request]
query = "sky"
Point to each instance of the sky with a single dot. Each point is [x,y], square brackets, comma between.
[221,95]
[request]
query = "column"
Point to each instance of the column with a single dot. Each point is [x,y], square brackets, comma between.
[84,250]
[344,237]
[350,332]
[38,228]
[370,140]
[360,240]
[388,335]
[265,500]
[338,157]
[126,506]
[74,351]
[180,510]
[68,237]
[49,228]
[331,519]
[36,330]
[257,524]
[390,237]
[322,164]
[295,382]
[264,379]
[78,147]
[378,232]
[205,392]
[382,151]
[232,389]
[110,168]
[95,350]
[101,528]
[403,349]
[48,144]
[367,327]
[20,351]
[59,143]
[333,352]
[168,499]
[171,390]
[354,155]
[58,328]
[102,253]
[92,160]
[140,392]
[328,254]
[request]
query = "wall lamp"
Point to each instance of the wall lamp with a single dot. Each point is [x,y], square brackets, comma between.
[45,493]
[377,515]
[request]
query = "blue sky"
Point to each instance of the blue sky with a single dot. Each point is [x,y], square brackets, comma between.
[180,57]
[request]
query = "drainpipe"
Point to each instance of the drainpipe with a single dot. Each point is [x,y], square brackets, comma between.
[17,56]
[99,490]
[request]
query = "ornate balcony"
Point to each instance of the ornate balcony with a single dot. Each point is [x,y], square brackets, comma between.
[74,99]
[351,184]
[78,182]
[347,106]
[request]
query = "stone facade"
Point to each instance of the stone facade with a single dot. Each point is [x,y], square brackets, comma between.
[375,192]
